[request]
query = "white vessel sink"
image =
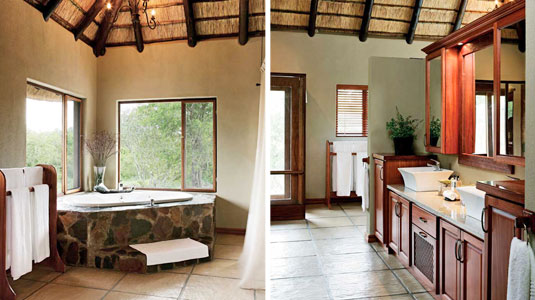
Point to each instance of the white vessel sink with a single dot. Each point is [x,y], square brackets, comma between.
[423,179]
[473,199]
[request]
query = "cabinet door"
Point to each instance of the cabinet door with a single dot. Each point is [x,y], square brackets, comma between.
[450,239]
[379,201]
[471,256]
[395,225]
[405,235]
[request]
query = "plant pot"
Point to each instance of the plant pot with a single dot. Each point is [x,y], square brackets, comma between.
[99,175]
[403,145]
[433,140]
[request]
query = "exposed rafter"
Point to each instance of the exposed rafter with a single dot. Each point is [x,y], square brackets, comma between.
[105,27]
[244,22]
[88,18]
[49,8]
[134,11]
[521,32]
[414,21]
[312,18]
[366,17]
[460,15]
[190,22]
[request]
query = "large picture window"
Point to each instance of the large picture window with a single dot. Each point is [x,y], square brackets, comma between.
[168,144]
[351,110]
[53,130]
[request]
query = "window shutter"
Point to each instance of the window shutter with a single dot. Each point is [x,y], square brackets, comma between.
[352,110]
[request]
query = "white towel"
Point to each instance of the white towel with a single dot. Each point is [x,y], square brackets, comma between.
[40,224]
[518,282]
[33,176]
[14,179]
[532,279]
[18,207]
[366,187]
[344,167]
[360,172]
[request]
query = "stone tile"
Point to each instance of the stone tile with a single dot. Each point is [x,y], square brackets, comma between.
[228,251]
[423,296]
[42,274]
[289,235]
[160,284]
[342,246]
[90,277]
[292,249]
[180,270]
[294,267]
[377,247]
[360,220]
[322,211]
[335,232]
[302,288]
[229,239]
[219,268]
[58,291]
[260,295]
[391,260]
[290,224]
[393,297]
[210,288]
[409,281]
[355,212]
[126,296]
[362,229]
[351,263]
[329,222]
[362,285]
[24,288]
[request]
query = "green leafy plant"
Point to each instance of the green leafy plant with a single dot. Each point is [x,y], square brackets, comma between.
[402,127]
[434,127]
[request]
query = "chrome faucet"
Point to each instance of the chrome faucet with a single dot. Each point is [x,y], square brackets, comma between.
[436,166]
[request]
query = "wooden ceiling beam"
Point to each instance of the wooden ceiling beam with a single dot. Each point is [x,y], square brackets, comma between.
[190,23]
[312,17]
[50,7]
[88,18]
[105,27]
[365,24]
[138,34]
[244,22]
[414,21]
[460,15]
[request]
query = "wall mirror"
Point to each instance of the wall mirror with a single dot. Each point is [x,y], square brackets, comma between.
[435,101]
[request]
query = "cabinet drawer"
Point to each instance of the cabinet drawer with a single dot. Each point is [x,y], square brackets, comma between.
[424,220]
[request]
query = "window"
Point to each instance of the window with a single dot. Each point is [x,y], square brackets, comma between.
[168,144]
[53,134]
[351,110]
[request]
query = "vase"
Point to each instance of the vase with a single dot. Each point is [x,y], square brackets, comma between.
[434,140]
[99,175]
[403,145]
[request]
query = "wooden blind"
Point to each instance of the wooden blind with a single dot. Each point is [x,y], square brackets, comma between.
[352,110]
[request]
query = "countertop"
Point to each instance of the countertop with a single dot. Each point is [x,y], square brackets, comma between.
[452,212]
[510,190]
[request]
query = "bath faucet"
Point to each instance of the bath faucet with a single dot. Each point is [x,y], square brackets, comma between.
[436,166]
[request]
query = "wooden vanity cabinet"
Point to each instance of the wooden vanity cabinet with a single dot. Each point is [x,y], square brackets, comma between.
[424,247]
[400,227]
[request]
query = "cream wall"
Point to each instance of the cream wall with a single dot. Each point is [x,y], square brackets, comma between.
[530,105]
[44,51]
[220,68]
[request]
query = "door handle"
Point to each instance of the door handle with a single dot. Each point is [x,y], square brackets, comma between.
[396,210]
[423,220]
[457,250]
[381,173]
[460,251]
[483,219]
[422,234]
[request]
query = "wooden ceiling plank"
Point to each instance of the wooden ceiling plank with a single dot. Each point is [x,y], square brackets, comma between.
[312,18]
[414,21]
[366,17]
[88,18]
[138,35]
[460,15]
[190,22]
[50,7]
[244,22]
[105,27]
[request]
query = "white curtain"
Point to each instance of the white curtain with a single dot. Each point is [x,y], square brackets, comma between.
[252,260]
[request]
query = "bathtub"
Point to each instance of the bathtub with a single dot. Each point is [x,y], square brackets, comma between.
[126,199]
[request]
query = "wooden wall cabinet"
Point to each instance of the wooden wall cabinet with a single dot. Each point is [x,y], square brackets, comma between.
[400,228]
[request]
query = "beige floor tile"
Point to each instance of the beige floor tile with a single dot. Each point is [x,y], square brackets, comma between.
[58,291]
[377,247]
[292,249]
[362,229]
[302,288]
[290,224]
[329,222]
[391,260]
[335,232]
[228,251]
[393,297]
[321,211]
[42,274]
[24,288]
[181,270]
[295,267]
[289,235]
[219,268]
[89,277]
[212,288]
[260,294]
[423,296]
[360,220]
[355,212]
[343,246]
[127,296]
[351,263]
[409,281]
[362,285]
[229,239]
[160,284]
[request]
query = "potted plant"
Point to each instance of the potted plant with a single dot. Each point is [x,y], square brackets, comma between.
[434,131]
[401,130]
[101,145]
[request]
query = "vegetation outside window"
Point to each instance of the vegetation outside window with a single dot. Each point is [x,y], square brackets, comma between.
[351,110]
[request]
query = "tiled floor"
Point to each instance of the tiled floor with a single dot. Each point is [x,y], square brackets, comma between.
[326,257]
[213,280]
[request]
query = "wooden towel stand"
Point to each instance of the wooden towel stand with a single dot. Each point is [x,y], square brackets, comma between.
[50,178]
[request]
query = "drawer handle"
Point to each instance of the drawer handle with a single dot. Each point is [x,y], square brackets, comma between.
[422,234]
[423,220]
[483,220]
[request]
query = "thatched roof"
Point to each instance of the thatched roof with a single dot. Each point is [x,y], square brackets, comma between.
[209,19]
[388,18]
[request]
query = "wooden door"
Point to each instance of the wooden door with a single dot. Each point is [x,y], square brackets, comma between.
[450,239]
[395,222]
[471,256]
[405,232]
[379,200]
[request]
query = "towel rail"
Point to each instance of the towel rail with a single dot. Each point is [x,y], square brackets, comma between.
[8,193]
[328,177]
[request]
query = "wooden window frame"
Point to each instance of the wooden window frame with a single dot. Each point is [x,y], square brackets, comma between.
[65,98]
[364,107]
[183,102]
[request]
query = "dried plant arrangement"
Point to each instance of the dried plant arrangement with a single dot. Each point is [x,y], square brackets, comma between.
[101,145]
